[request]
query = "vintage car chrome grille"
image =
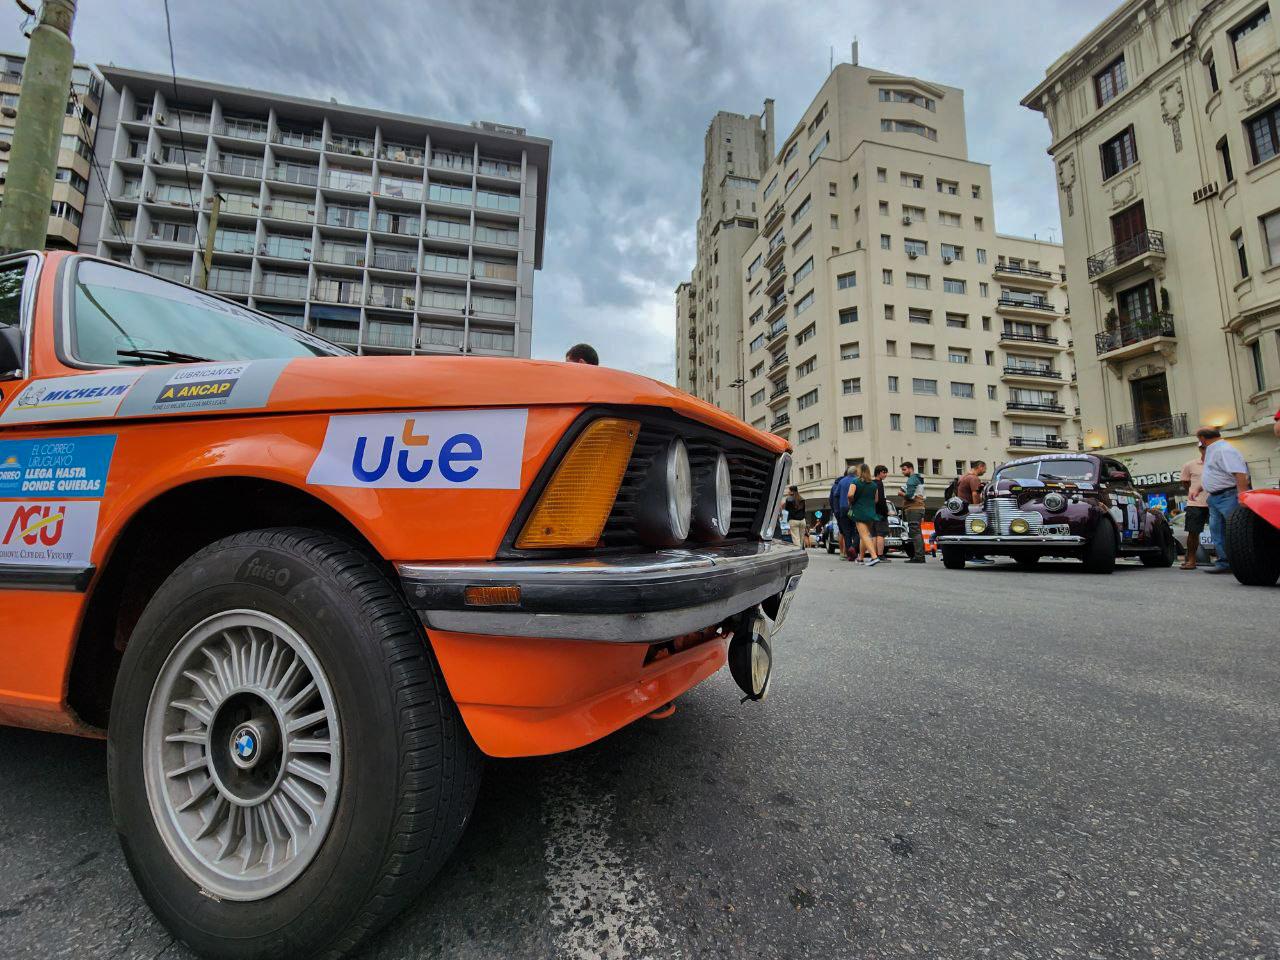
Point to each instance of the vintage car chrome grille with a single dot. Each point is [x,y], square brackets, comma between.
[1001,511]
[750,471]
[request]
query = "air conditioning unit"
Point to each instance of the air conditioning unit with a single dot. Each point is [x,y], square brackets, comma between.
[906,221]
[186,278]
[148,196]
[914,256]
[8,112]
[5,146]
[947,260]
[1205,192]
[160,120]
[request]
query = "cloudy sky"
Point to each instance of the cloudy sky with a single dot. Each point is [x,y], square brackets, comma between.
[625,89]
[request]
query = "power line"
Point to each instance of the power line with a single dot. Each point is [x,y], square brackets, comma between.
[182,140]
[97,170]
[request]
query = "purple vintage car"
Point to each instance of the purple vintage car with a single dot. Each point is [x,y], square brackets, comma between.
[1061,505]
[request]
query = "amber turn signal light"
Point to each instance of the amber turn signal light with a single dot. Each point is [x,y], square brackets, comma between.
[491,596]
[573,508]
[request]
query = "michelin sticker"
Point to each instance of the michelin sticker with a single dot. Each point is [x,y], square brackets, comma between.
[199,387]
[63,466]
[48,533]
[462,449]
[87,396]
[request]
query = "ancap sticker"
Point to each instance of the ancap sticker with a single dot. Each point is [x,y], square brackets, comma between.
[88,396]
[49,533]
[455,449]
[56,466]
[193,388]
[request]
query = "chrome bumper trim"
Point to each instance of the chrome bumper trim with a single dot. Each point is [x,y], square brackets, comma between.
[1028,540]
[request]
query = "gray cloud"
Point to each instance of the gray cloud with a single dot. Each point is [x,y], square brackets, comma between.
[625,90]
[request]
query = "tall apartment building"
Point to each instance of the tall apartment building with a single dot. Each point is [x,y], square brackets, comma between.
[1165,124]
[382,232]
[708,320]
[884,320]
[71,181]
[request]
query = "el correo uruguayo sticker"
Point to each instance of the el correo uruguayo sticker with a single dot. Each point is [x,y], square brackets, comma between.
[454,449]
[47,533]
[63,466]
[88,396]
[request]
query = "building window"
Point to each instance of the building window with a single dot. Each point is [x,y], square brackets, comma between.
[924,387]
[757,343]
[948,219]
[983,290]
[804,270]
[986,324]
[886,277]
[918,315]
[977,223]
[959,355]
[915,248]
[926,424]
[918,281]
[990,356]
[807,400]
[891,348]
[821,145]
[952,252]
[910,213]
[804,303]
[1271,236]
[895,421]
[831,186]
[1224,154]
[1264,138]
[853,424]
[881,174]
[953,285]
[849,315]
[850,351]
[976,191]
[949,187]
[884,208]
[981,255]
[958,320]
[1213,74]
[991,392]
[1259,374]
[791,152]
[995,428]
[922,351]
[1111,81]
[808,433]
[908,126]
[912,180]
[757,397]
[1248,41]
[893,384]
[1243,258]
[806,368]
[801,210]
[846,280]
[965,426]
[962,391]
[773,185]
[888,311]
[886,242]
[808,333]
[757,369]
[835,221]
[851,386]
[1119,153]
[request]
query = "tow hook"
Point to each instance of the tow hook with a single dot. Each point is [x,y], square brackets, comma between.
[750,656]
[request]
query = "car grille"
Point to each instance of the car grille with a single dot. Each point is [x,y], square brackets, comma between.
[1001,511]
[750,471]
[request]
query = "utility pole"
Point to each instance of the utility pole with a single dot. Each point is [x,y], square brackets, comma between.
[211,233]
[42,104]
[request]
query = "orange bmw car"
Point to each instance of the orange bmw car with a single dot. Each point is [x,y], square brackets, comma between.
[303,593]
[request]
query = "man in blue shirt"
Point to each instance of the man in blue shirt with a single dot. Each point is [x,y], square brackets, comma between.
[840,510]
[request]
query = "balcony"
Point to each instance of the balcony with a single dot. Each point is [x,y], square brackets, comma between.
[1132,339]
[1029,341]
[777,276]
[1166,428]
[772,217]
[1021,274]
[1144,251]
[775,250]
[405,262]
[1037,443]
[780,421]
[1028,306]
[302,176]
[779,329]
[242,129]
[1017,371]
[778,361]
[780,391]
[1034,407]
[333,293]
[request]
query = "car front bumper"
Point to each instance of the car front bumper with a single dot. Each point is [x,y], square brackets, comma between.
[629,598]
[1026,540]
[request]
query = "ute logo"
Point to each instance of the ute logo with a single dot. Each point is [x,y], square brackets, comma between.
[470,449]
[36,524]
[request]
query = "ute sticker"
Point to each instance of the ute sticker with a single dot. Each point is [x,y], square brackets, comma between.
[47,533]
[88,396]
[241,385]
[455,449]
[62,466]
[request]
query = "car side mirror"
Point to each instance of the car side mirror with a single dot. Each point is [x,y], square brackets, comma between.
[10,353]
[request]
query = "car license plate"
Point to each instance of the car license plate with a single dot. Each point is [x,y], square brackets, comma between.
[1057,529]
[785,604]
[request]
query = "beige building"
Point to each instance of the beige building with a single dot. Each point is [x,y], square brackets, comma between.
[883,318]
[79,128]
[1165,124]
[709,311]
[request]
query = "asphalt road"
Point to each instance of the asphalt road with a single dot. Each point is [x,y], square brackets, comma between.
[982,764]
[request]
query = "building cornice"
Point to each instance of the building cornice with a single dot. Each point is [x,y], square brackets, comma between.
[889,80]
[1093,51]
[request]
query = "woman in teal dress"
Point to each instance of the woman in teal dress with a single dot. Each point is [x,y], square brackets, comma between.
[862,510]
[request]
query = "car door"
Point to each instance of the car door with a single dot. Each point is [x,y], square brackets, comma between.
[1126,503]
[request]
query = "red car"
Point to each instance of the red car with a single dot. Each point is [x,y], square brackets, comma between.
[1253,538]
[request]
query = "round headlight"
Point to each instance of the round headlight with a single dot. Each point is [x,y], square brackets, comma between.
[664,503]
[712,499]
[1019,526]
[1054,501]
[977,525]
[679,488]
[955,505]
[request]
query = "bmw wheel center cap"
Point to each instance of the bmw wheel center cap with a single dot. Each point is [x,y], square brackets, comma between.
[246,745]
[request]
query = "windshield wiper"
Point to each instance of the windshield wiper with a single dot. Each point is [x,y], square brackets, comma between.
[162,356]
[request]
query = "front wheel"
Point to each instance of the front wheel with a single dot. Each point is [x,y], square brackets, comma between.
[953,558]
[1253,548]
[1100,553]
[286,766]
[1167,555]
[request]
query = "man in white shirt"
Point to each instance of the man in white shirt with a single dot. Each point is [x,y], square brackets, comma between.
[1224,477]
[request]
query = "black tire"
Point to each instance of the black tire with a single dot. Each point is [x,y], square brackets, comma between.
[831,547]
[1253,548]
[909,549]
[1027,561]
[1168,553]
[404,796]
[1100,553]
[954,558]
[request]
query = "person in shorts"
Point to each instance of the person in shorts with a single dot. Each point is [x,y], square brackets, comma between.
[880,529]
[1197,507]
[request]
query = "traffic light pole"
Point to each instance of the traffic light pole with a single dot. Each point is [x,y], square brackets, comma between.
[42,105]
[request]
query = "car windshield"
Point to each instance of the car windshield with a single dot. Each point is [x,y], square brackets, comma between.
[125,318]
[1071,470]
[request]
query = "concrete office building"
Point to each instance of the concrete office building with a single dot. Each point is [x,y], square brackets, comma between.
[381,232]
[1165,125]
[709,317]
[883,318]
[79,127]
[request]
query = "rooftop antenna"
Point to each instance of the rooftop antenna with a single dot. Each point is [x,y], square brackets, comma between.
[854,51]
[831,58]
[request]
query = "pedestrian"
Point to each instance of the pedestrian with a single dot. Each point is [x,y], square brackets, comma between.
[840,508]
[862,510]
[882,510]
[582,353]
[794,505]
[969,489]
[1224,477]
[912,493]
[1197,507]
